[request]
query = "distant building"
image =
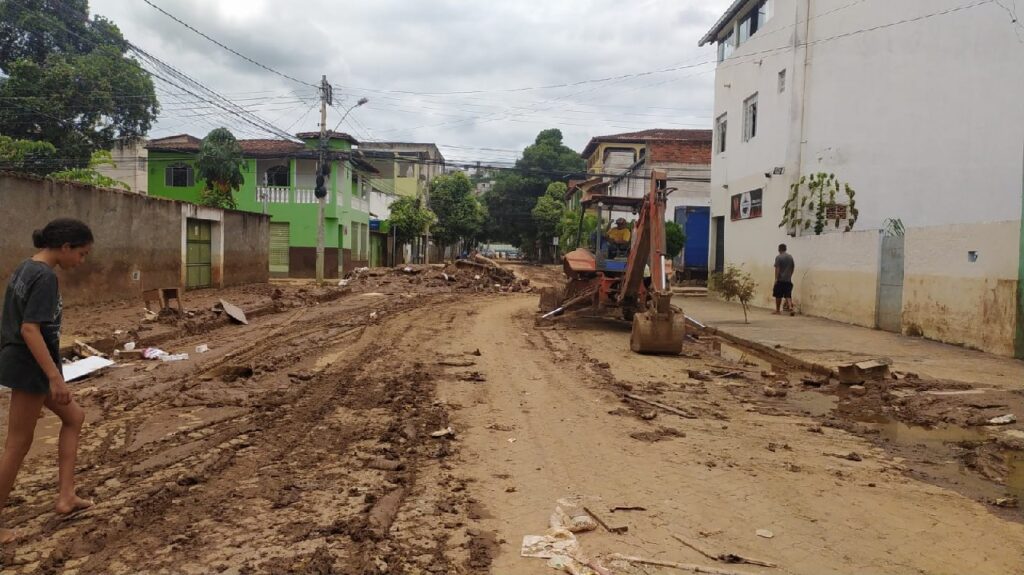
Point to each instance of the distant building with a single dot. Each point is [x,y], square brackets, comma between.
[917,106]
[402,169]
[130,166]
[621,164]
[280,177]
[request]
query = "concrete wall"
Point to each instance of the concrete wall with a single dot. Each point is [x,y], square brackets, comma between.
[140,240]
[836,276]
[135,234]
[949,298]
[246,248]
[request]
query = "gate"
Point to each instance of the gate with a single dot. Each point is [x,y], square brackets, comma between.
[279,241]
[198,254]
[890,285]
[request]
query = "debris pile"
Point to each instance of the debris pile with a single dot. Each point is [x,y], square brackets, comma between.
[464,276]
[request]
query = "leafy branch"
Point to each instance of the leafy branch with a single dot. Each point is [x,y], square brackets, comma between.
[813,199]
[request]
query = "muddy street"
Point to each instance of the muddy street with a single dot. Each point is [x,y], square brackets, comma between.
[410,424]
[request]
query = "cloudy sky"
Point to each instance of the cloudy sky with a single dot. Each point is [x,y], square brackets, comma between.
[413,58]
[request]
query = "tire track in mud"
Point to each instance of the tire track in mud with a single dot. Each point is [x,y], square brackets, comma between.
[298,482]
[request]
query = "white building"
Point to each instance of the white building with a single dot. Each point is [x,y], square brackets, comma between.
[130,166]
[916,104]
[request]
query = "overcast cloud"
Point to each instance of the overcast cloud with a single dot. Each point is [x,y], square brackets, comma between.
[375,49]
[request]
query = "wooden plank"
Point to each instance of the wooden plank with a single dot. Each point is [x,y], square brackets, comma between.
[667,408]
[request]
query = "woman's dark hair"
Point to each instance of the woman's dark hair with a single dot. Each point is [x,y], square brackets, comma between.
[62,231]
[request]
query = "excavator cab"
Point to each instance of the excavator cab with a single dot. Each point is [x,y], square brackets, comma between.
[611,258]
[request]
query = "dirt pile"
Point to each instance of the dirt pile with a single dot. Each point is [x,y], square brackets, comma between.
[453,277]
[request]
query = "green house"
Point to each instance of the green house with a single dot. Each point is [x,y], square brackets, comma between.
[280,177]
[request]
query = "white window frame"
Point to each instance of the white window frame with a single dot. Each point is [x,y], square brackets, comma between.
[190,175]
[721,133]
[750,118]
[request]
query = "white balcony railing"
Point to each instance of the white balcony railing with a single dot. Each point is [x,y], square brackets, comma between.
[272,194]
[303,196]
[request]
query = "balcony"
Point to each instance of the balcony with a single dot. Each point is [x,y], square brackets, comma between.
[285,195]
[273,194]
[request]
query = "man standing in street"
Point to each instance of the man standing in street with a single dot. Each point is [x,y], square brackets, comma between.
[783,290]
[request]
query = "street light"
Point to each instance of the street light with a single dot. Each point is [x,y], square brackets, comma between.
[352,107]
[321,191]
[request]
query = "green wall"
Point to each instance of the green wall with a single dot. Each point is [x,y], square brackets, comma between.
[301,217]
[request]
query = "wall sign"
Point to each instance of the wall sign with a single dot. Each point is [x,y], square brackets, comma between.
[747,205]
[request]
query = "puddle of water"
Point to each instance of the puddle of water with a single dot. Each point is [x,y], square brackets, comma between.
[903,434]
[814,404]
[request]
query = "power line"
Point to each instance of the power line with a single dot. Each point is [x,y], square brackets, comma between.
[229,49]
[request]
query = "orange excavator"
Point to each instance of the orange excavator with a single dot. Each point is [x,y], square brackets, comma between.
[600,277]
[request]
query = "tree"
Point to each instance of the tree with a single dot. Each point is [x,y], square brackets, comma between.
[90,175]
[736,284]
[511,200]
[27,156]
[219,162]
[409,219]
[675,239]
[69,81]
[547,215]
[569,233]
[460,217]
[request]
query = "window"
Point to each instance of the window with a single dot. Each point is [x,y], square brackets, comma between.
[782,81]
[754,20]
[721,129]
[727,46]
[179,176]
[279,176]
[750,118]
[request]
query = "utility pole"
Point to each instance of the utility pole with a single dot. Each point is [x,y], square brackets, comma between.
[323,169]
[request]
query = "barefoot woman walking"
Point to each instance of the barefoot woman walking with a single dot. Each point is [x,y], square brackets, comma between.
[30,360]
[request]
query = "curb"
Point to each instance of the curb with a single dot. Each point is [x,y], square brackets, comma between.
[772,353]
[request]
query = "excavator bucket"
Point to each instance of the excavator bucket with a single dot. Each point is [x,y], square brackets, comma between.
[657,332]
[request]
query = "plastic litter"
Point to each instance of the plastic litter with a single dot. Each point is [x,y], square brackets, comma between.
[202,348]
[130,346]
[153,353]
[1007,419]
[175,357]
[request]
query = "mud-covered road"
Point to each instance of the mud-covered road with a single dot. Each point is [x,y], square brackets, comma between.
[411,426]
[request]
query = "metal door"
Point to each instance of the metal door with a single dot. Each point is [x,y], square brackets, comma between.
[890,285]
[198,253]
[279,241]
[698,219]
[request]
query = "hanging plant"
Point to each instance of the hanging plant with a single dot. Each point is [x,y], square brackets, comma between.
[816,197]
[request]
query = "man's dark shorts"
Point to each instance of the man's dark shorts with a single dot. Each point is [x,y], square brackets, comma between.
[783,290]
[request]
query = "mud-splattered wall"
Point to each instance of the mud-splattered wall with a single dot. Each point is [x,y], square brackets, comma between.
[138,238]
[961,284]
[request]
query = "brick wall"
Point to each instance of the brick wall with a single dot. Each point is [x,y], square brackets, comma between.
[681,152]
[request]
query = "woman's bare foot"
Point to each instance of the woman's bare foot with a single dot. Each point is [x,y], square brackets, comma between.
[9,536]
[71,505]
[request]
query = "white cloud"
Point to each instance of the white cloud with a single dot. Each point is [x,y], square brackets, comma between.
[371,48]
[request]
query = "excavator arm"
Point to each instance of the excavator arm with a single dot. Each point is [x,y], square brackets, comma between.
[657,328]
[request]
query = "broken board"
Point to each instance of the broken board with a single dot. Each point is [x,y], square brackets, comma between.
[234,312]
[83,367]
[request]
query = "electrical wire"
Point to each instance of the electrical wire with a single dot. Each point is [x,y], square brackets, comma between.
[229,49]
